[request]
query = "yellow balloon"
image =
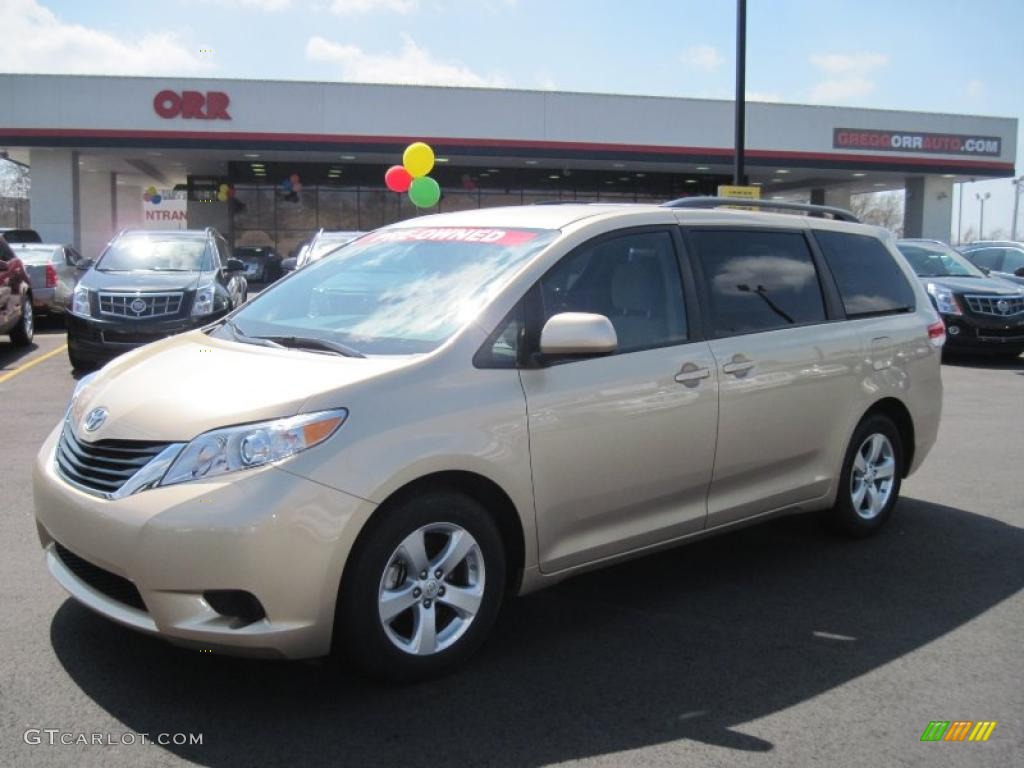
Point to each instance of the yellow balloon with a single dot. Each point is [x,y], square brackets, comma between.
[418,159]
[222,196]
[151,190]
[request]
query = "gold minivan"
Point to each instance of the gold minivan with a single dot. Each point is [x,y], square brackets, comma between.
[377,450]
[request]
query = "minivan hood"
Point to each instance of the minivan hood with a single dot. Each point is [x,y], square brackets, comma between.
[974,284]
[143,282]
[178,388]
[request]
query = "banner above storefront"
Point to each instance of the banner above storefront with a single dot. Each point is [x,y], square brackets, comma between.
[916,141]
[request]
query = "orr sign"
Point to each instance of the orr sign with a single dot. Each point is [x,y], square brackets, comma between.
[916,141]
[192,105]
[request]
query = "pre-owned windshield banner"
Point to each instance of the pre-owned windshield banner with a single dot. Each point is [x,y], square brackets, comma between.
[485,236]
[916,141]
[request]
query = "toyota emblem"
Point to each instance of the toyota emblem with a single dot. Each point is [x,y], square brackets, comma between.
[94,420]
[138,306]
[1003,306]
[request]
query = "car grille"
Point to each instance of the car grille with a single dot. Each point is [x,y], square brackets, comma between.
[1002,334]
[997,306]
[140,305]
[103,466]
[110,584]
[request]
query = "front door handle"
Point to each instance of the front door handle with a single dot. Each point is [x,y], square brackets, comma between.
[738,368]
[691,374]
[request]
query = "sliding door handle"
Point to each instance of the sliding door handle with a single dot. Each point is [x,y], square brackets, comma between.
[738,368]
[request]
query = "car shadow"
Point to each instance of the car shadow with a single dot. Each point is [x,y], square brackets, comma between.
[687,644]
[45,326]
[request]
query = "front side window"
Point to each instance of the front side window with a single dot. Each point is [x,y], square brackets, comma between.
[632,279]
[1013,260]
[937,260]
[868,277]
[153,253]
[758,281]
[986,258]
[396,291]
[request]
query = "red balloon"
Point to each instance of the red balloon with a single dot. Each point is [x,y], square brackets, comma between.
[398,179]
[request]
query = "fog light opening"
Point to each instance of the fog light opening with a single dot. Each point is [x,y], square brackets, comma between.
[236,604]
[952,330]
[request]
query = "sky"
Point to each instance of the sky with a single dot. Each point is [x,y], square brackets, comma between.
[938,55]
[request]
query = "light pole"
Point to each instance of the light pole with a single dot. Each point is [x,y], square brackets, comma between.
[960,216]
[738,174]
[1017,183]
[981,198]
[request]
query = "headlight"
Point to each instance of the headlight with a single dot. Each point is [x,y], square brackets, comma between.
[80,302]
[945,301]
[203,303]
[251,445]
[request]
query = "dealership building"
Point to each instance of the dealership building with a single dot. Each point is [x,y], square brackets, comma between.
[98,149]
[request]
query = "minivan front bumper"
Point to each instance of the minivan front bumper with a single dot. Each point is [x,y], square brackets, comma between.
[267,532]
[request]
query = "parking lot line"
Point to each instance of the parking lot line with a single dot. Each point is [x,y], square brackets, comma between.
[30,363]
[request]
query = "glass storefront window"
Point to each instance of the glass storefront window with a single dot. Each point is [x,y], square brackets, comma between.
[339,209]
[298,214]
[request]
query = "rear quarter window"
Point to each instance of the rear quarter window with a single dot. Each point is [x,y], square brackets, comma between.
[869,280]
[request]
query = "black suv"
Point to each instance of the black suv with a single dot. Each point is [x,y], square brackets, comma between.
[149,284]
[981,313]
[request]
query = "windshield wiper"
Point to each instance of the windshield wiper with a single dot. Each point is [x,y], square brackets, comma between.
[308,342]
[237,335]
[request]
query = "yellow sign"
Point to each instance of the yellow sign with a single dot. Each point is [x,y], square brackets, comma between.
[745,193]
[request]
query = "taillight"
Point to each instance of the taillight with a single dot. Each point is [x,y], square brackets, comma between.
[937,333]
[51,276]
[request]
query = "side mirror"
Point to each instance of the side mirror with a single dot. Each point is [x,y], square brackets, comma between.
[84,264]
[288,265]
[578,333]
[986,270]
[1019,272]
[234,265]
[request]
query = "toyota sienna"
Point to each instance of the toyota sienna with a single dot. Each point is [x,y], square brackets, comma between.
[377,450]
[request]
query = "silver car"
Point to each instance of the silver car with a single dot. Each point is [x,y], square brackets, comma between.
[53,271]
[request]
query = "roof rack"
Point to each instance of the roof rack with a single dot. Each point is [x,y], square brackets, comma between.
[718,202]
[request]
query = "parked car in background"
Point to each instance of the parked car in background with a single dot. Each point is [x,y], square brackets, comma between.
[982,313]
[1003,258]
[13,235]
[16,315]
[54,271]
[262,262]
[379,449]
[147,285]
[324,242]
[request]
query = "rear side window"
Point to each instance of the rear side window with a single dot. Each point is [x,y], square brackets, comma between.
[870,281]
[758,281]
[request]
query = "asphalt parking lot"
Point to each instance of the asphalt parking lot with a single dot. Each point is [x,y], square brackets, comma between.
[773,645]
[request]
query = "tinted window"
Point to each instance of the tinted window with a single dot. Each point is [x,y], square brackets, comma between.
[1013,260]
[937,260]
[758,281]
[869,279]
[987,258]
[633,280]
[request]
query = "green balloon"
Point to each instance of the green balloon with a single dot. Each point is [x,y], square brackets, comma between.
[424,192]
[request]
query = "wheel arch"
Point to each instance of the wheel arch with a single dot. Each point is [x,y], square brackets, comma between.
[481,489]
[898,413]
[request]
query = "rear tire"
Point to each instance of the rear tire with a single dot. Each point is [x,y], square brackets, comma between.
[437,623]
[869,484]
[23,332]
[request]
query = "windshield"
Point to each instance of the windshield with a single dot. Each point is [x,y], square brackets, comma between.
[156,254]
[937,260]
[396,291]
[45,254]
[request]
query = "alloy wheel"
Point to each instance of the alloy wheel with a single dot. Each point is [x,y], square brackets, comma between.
[873,476]
[431,589]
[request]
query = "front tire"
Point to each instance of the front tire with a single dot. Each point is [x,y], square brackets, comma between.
[869,484]
[422,587]
[24,331]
